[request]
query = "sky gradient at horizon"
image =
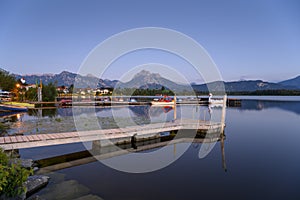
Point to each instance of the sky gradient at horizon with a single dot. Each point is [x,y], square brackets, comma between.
[247,40]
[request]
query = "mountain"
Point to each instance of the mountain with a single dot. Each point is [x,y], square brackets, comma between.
[145,79]
[243,86]
[67,78]
[294,82]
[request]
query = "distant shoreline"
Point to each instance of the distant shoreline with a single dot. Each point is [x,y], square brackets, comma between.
[262,93]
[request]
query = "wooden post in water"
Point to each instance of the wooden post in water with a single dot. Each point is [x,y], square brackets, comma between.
[174,150]
[39,92]
[223,152]
[175,113]
[223,113]
[96,146]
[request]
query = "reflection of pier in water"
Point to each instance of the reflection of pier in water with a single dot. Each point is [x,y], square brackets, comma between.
[99,153]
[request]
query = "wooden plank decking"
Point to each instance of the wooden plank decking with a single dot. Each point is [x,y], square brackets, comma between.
[37,140]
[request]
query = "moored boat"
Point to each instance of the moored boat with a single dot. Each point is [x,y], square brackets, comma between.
[11,108]
[165,101]
[214,101]
[159,103]
[19,104]
[66,102]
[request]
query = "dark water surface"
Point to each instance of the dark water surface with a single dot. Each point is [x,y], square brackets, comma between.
[262,149]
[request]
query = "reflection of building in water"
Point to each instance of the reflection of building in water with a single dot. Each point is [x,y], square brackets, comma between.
[10,116]
[12,123]
[260,105]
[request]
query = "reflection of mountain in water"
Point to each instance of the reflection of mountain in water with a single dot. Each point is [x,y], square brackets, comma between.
[142,111]
[65,112]
[141,114]
[68,112]
[145,112]
[138,111]
[292,106]
[157,111]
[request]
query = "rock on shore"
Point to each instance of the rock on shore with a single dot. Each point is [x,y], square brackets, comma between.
[26,163]
[35,183]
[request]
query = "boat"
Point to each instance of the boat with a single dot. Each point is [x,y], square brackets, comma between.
[133,101]
[164,101]
[160,103]
[19,104]
[11,108]
[5,95]
[66,102]
[214,101]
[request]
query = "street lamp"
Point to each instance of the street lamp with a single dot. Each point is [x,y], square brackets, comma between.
[18,87]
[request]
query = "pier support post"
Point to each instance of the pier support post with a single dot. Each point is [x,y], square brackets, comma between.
[40,94]
[134,141]
[223,113]
[96,146]
[223,152]
[175,113]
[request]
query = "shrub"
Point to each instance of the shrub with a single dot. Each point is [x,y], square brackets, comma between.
[12,177]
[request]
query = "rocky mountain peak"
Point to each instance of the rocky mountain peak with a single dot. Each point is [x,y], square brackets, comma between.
[145,76]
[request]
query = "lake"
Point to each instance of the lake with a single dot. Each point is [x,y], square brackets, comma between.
[260,155]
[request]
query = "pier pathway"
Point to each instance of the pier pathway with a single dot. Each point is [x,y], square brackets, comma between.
[116,135]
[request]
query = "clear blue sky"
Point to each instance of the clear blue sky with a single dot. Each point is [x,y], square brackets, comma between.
[255,39]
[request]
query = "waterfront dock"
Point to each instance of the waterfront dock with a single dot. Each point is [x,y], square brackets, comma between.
[107,136]
[69,102]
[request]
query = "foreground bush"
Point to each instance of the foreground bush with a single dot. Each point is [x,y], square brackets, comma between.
[12,177]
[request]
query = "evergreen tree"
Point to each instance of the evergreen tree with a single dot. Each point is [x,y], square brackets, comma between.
[49,92]
[7,81]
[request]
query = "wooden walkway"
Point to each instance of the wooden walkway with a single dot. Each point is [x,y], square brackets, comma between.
[114,135]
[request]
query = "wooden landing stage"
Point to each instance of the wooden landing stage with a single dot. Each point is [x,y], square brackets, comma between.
[105,136]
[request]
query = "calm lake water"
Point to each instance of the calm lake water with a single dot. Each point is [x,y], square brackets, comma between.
[261,156]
